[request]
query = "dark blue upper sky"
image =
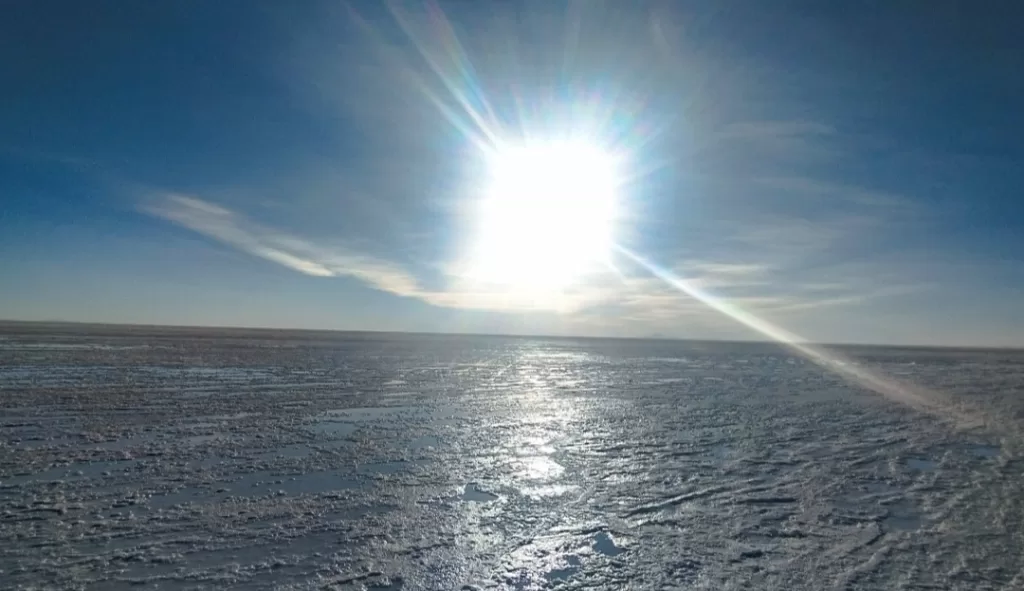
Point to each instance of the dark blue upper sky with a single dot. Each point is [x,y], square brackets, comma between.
[849,171]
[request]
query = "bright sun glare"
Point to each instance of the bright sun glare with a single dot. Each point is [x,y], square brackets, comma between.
[547,215]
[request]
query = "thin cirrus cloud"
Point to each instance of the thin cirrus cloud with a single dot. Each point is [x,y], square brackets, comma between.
[625,302]
[239,232]
[235,230]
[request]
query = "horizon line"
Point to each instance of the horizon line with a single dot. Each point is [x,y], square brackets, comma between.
[5,323]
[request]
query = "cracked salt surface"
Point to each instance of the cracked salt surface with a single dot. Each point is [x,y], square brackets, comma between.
[178,459]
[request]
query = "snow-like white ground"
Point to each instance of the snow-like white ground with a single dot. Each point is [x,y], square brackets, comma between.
[190,460]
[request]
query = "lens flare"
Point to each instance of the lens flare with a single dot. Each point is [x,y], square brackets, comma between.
[519,246]
[889,387]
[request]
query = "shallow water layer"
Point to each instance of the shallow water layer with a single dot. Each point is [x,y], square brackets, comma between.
[270,460]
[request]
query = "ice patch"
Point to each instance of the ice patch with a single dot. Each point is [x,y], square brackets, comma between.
[572,567]
[902,516]
[984,451]
[922,464]
[605,544]
[474,494]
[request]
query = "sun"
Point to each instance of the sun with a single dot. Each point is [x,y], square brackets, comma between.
[546,216]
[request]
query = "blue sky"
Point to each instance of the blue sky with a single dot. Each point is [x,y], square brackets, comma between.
[849,171]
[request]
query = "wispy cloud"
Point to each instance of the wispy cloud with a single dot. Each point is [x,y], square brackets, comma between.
[774,131]
[758,147]
[297,254]
[839,193]
[239,232]
[624,304]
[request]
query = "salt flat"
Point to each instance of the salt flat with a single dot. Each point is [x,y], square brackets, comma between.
[148,458]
